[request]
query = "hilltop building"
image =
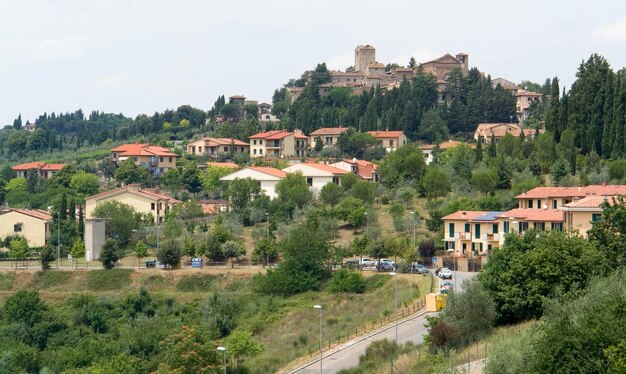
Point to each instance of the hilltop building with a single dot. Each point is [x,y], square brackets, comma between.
[214,147]
[156,159]
[44,170]
[279,144]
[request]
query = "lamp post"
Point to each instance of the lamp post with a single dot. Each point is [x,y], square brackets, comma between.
[367,224]
[58,239]
[267,234]
[223,349]
[320,309]
[413,251]
[396,302]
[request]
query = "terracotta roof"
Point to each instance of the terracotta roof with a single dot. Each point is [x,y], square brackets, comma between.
[52,167]
[364,169]
[385,134]
[326,168]
[273,134]
[35,213]
[600,190]
[212,142]
[447,55]
[270,171]
[535,215]
[329,131]
[526,93]
[590,202]
[463,215]
[300,135]
[128,150]
[135,190]
[128,147]
[28,166]
[231,165]
[499,130]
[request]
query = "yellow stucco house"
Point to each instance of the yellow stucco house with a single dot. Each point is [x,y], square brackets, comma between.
[32,224]
[142,200]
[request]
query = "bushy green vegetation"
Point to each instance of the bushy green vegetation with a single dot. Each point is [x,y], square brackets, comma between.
[108,280]
[195,283]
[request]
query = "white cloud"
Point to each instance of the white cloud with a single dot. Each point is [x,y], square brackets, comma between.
[69,47]
[611,33]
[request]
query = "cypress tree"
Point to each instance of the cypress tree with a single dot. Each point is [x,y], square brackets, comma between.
[479,151]
[491,151]
[81,223]
[63,208]
[71,214]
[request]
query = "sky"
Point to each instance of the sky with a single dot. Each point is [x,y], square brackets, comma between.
[142,56]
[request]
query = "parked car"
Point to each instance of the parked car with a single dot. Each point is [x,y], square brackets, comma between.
[385,265]
[445,273]
[419,268]
[366,262]
[351,264]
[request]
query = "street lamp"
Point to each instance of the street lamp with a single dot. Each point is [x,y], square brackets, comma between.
[223,349]
[367,224]
[267,234]
[320,309]
[58,239]
[413,251]
[396,302]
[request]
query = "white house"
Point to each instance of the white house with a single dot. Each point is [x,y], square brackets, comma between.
[268,177]
[317,175]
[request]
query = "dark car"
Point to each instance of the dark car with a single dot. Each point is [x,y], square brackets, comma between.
[385,265]
[419,269]
[351,264]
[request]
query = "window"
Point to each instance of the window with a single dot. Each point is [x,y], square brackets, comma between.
[225,149]
[530,204]
[170,159]
[480,247]
[391,143]
[161,159]
[254,142]
[254,151]
[464,247]
[451,246]
[541,226]
[595,217]
[17,227]
[477,231]
[451,230]
[309,181]
[336,180]
[260,151]
[538,204]
[553,204]
[495,228]
[467,227]
[260,141]
[152,206]
[506,226]
[556,226]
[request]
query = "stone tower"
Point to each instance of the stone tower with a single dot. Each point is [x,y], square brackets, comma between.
[464,60]
[363,56]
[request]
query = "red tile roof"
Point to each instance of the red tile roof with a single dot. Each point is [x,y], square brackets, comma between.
[364,169]
[600,190]
[35,213]
[385,134]
[212,142]
[590,202]
[128,147]
[535,215]
[463,215]
[53,167]
[273,134]
[28,166]
[326,168]
[270,171]
[135,190]
[329,131]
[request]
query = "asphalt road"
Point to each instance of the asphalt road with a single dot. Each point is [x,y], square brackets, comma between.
[410,329]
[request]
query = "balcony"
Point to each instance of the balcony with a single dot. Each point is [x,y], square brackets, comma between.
[275,145]
[466,236]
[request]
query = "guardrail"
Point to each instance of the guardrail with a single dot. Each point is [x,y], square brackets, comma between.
[404,311]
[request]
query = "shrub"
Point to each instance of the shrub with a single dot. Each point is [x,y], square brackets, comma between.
[170,253]
[114,279]
[345,280]
[195,283]
[49,279]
